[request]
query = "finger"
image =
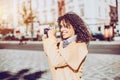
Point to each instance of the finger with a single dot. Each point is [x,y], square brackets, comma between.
[44,37]
[53,27]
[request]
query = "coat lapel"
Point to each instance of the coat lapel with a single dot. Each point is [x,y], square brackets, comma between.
[74,53]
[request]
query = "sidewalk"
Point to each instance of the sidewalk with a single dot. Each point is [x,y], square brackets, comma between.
[117,42]
[102,67]
[97,66]
[105,42]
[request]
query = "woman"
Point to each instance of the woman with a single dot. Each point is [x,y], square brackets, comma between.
[66,59]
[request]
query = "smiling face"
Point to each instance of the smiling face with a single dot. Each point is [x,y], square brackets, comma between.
[66,29]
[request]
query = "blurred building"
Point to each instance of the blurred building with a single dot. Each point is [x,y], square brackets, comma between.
[118,26]
[44,12]
[61,7]
[6,13]
[96,13]
[48,11]
[91,11]
[101,16]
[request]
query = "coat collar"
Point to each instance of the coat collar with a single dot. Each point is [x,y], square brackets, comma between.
[69,40]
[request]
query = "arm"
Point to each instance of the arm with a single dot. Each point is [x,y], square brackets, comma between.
[72,57]
[75,55]
[51,50]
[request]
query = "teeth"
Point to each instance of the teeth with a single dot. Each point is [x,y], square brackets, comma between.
[64,32]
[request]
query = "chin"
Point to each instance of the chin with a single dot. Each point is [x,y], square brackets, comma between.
[65,38]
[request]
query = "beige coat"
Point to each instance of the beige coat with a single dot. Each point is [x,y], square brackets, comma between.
[65,63]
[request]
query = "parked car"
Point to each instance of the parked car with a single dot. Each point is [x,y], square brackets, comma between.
[98,36]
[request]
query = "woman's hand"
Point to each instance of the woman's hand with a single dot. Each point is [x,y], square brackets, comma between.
[52,32]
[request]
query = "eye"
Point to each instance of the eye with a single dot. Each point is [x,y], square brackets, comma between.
[66,26]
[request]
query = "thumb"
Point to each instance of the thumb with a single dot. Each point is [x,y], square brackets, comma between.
[44,37]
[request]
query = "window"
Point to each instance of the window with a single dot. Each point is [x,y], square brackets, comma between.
[99,28]
[81,8]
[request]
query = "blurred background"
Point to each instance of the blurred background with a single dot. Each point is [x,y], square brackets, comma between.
[28,18]
[22,24]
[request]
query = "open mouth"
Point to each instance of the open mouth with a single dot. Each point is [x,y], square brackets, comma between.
[64,33]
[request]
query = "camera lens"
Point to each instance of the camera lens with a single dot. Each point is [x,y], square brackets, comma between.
[46,31]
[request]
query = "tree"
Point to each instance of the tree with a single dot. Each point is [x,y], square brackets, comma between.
[27,16]
[61,7]
[113,15]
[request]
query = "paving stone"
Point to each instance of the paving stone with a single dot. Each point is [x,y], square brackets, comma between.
[97,66]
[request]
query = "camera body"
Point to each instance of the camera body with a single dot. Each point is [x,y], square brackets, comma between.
[46,31]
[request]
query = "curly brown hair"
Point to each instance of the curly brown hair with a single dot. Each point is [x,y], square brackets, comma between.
[79,26]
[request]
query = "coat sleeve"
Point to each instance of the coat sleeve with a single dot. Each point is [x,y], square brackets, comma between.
[75,56]
[50,48]
[72,57]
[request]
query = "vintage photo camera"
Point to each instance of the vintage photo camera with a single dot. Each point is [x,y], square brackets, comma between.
[46,31]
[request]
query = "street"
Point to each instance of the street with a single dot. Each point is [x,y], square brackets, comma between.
[28,62]
[93,46]
[23,24]
[32,64]
[110,47]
